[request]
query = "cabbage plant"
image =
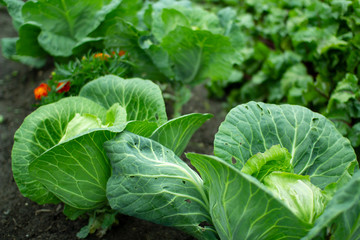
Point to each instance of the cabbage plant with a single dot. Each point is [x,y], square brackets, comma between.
[58,154]
[279,172]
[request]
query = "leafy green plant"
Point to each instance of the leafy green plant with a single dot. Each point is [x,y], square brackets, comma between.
[68,79]
[175,42]
[185,43]
[277,172]
[58,154]
[56,27]
[298,52]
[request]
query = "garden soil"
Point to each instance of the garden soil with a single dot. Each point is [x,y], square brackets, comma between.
[21,218]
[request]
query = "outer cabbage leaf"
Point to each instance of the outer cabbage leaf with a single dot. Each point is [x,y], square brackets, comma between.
[199,55]
[76,171]
[150,182]
[27,43]
[341,216]
[14,9]
[66,22]
[176,133]
[142,99]
[127,10]
[158,55]
[121,34]
[40,131]
[142,128]
[316,147]
[8,48]
[234,26]
[151,13]
[178,14]
[241,207]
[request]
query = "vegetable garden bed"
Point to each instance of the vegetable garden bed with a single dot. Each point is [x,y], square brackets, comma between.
[21,218]
[122,124]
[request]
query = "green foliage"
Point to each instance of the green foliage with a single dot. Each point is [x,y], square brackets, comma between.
[172,138]
[342,213]
[241,207]
[297,159]
[57,28]
[64,24]
[255,127]
[303,198]
[8,46]
[297,52]
[14,9]
[58,153]
[142,99]
[41,131]
[150,182]
[178,41]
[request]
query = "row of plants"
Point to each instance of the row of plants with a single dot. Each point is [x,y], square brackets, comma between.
[303,52]
[277,171]
[299,52]
[106,146]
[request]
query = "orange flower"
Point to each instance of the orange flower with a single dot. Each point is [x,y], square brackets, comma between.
[102,56]
[41,91]
[121,53]
[63,87]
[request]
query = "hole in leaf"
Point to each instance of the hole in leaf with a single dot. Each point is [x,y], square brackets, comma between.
[157,116]
[246,107]
[233,160]
[156,178]
[183,182]
[132,176]
[204,224]
[226,144]
[259,107]
[188,200]
[315,120]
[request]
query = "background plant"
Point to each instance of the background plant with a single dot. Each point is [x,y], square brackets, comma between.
[300,53]
[175,42]
[303,52]
[186,44]
[68,79]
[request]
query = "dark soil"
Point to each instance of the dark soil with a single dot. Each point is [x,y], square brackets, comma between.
[22,219]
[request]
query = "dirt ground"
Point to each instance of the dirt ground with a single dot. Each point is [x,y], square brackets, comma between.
[22,219]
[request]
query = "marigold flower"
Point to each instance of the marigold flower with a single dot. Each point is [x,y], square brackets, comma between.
[63,87]
[121,53]
[41,91]
[102,56]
